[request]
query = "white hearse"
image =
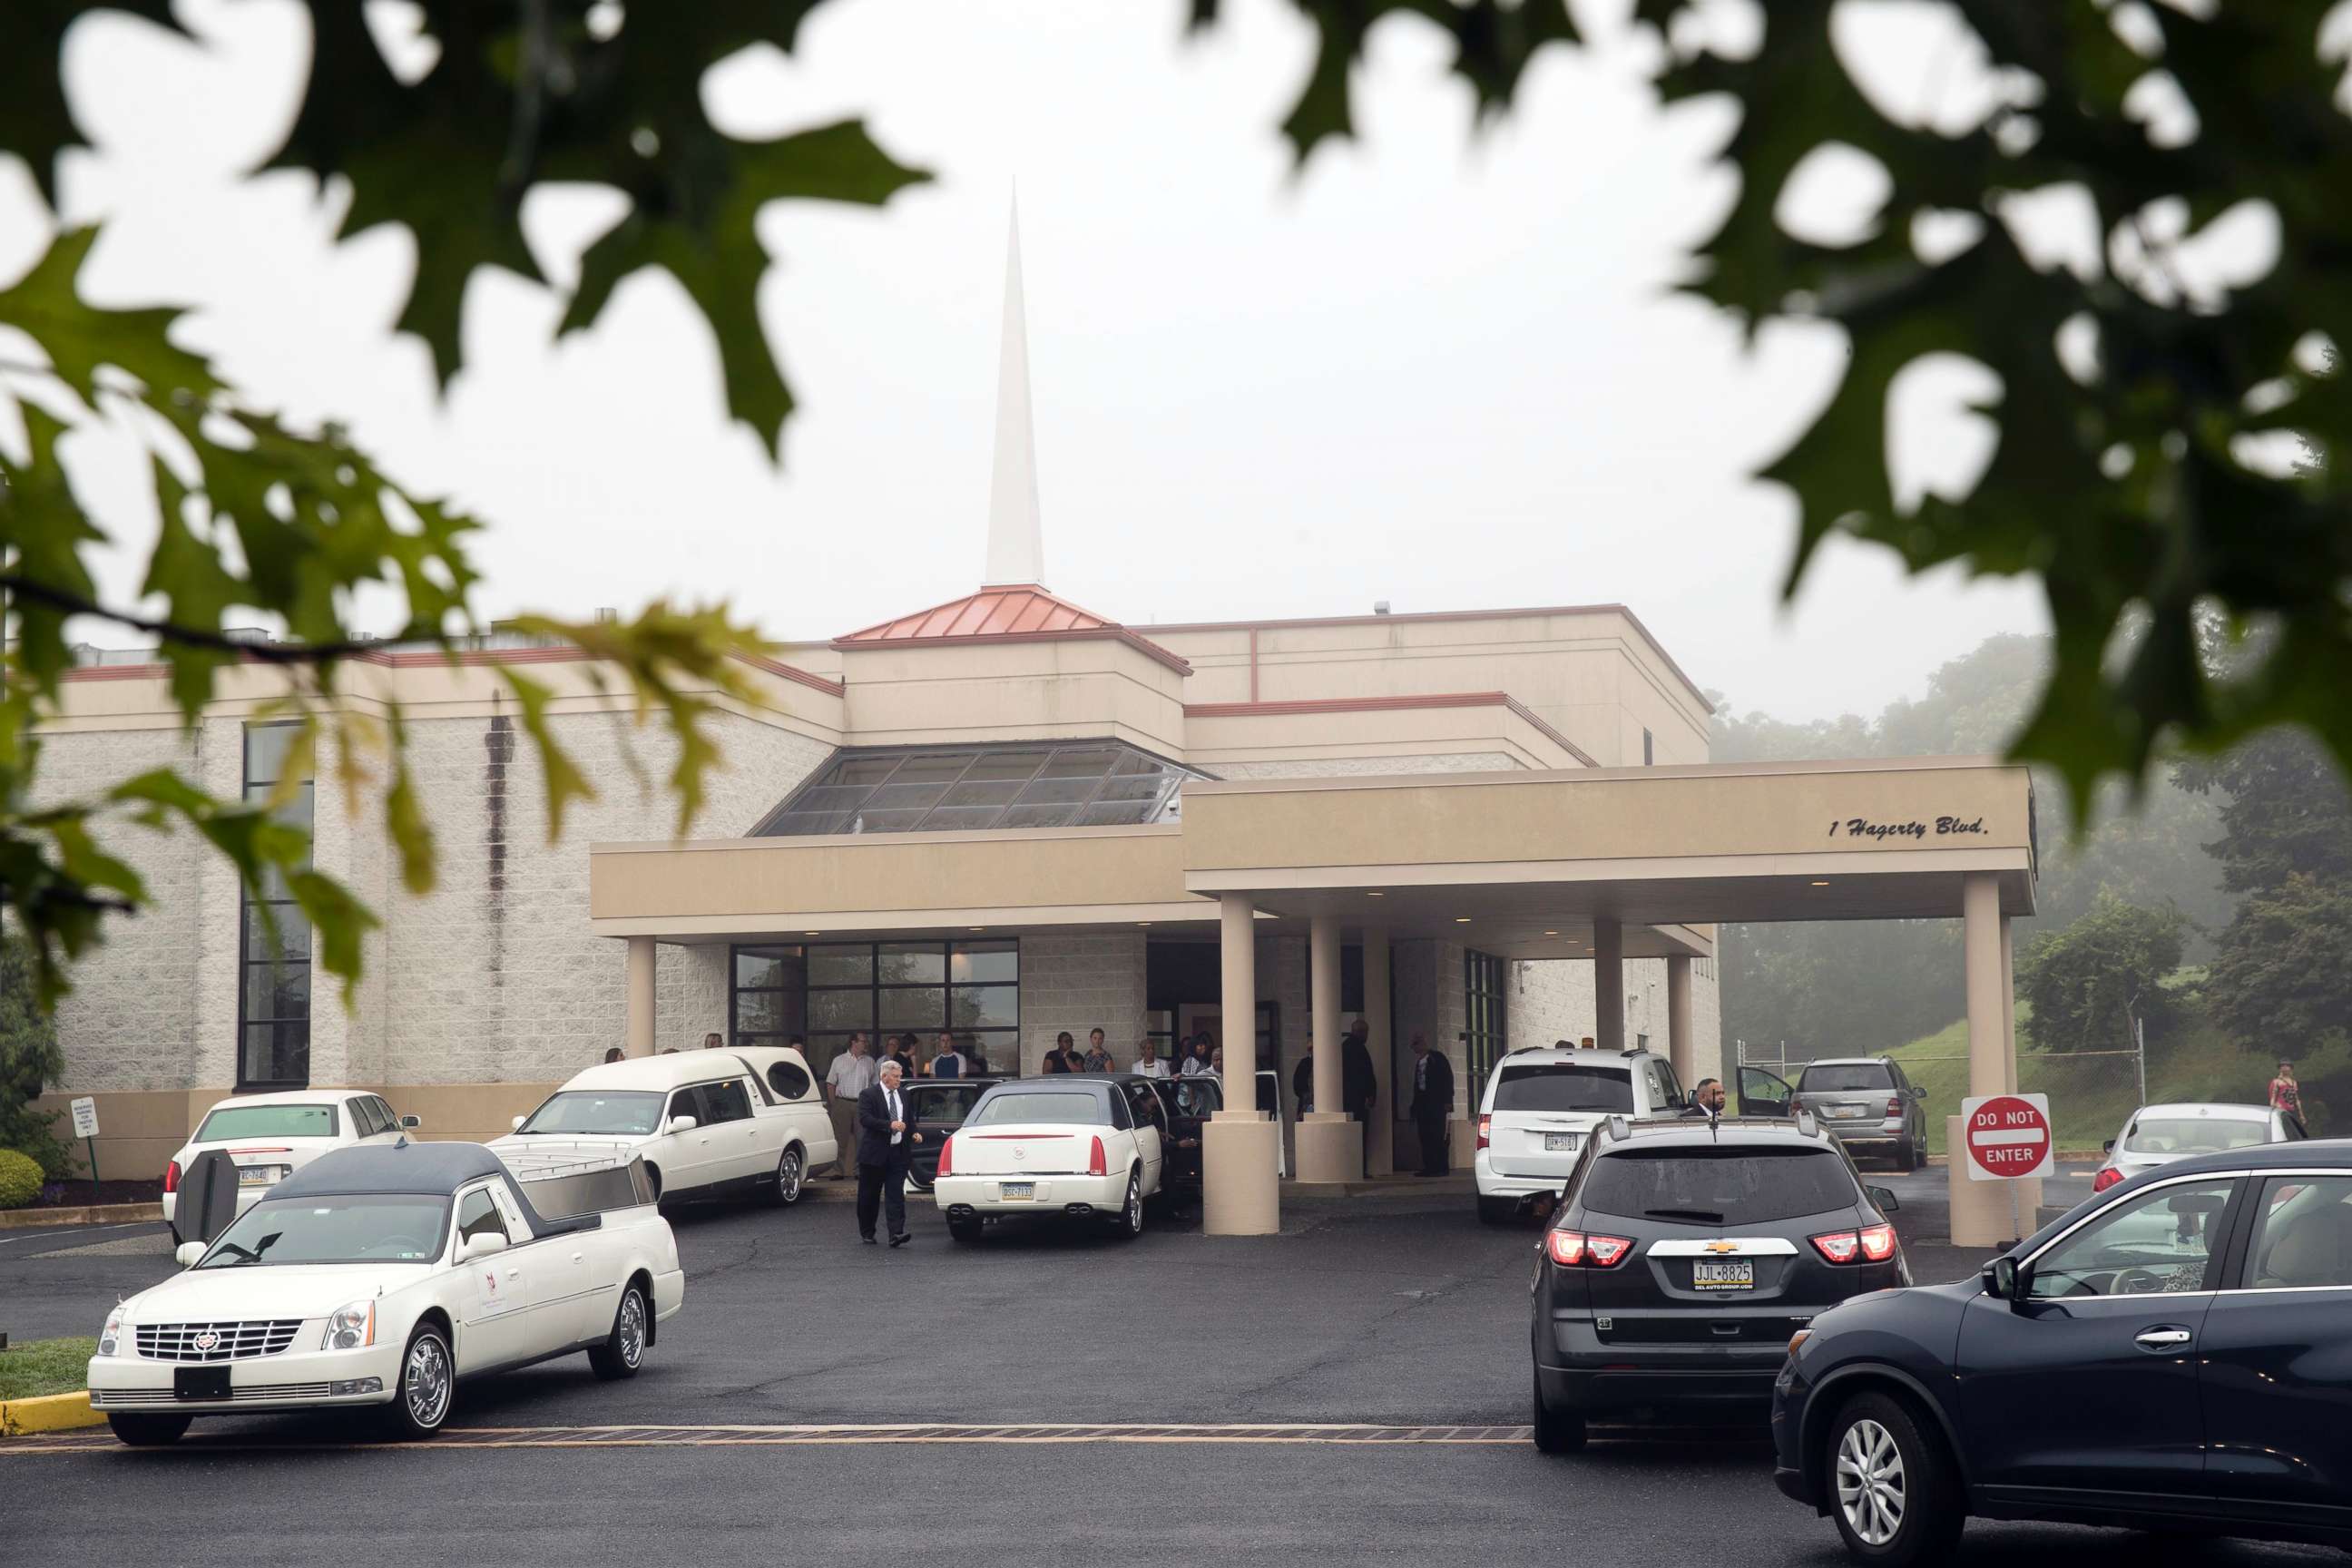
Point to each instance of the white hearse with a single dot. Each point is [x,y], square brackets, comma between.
[380,1278]
[269,1137]
[708,1124]
[1083,1146]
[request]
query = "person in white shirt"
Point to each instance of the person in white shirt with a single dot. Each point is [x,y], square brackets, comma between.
[851,1075]
[1148,1062]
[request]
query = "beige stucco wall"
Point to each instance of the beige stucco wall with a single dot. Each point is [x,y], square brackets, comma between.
[1065,688]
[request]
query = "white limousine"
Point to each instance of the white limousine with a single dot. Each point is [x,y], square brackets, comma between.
[379,1276]
[1084,1146]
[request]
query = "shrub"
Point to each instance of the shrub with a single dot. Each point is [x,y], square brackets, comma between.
[29,1062]
[20,1179]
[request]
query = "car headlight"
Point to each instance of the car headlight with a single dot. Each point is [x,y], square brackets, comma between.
[350,1327]
[111,1336]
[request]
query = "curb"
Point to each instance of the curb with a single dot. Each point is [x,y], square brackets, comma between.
[50,1412]
[89,1214]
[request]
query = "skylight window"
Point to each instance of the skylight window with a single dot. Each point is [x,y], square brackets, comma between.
[1088,783]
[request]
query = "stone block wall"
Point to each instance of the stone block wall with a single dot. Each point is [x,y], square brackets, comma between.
[1079,981]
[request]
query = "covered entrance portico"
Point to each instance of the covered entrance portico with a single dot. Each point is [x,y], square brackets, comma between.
[1601,866]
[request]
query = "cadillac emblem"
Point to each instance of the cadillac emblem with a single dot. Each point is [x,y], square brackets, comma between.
[205,1341]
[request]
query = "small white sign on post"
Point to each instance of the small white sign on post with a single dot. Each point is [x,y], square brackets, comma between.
[85,1118]
[2008,1136]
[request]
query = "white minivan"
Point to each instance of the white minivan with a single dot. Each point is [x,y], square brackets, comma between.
[708,1124]
[1540,1107]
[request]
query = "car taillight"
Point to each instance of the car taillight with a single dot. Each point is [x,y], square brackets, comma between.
[1097,1164]
[947,1156]
[1878,1242]
[1893,1107]
[2106,1178]
[171,1177]
[1839,1245]
[1485,1125]
[1574,1249]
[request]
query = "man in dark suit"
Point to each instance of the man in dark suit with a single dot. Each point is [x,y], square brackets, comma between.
[886,1140]
[1360,1090]
[1431,1106]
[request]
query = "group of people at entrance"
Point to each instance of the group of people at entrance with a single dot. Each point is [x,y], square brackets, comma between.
[1196,1057]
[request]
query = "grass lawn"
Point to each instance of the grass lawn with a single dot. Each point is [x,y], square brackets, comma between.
[45,1366]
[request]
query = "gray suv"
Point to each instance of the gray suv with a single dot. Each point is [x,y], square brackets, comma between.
[1870,1105]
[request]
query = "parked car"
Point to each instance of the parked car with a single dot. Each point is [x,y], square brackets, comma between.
[1087,1146]
[381,1277]
[1683,1256]
[2168,1357]
[936,1106]
[1540,1105]
[1870,1104]
[271,1136]
[708,1124]
[2158,1135]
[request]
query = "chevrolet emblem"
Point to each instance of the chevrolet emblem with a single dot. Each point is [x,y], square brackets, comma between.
[1720,1248]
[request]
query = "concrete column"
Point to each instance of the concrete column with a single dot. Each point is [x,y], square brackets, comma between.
[1980,1210]
[1379,1151]
[1239,1146]
[640,1041]
[2009,1001]
[1331,1145]
[1608,984]
[1681,1049]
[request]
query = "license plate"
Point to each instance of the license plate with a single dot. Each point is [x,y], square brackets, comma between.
[256,1175]
[209,1382]
[1849,1111]
[1560,1142]
[1016,1191]
[1737,1274]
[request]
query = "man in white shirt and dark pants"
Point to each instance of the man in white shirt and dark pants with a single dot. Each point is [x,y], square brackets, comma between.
[885,1144]
[851,1075]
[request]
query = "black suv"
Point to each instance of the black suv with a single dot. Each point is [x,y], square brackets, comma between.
[1685,1255]
[2172,1355]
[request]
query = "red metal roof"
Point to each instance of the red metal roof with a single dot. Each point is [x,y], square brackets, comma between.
[1016,612]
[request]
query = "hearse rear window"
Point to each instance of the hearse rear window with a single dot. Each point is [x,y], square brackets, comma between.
[1730,1186]
[268,1122]
[1076,1110]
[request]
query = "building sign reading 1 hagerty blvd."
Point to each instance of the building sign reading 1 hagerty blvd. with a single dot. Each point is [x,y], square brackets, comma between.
[1862,828]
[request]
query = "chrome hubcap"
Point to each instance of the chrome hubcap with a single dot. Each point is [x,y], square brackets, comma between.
[788,1176]
[427,1383]
[1134,1204]
[633,1328]
[1870,1482]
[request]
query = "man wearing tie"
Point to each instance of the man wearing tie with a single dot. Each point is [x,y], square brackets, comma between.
[884,1141]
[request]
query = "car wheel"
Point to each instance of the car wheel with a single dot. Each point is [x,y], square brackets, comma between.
[653,1180]
[965,1230]
[1128,1222]
[1893,1495]
[148,1431]
[623,1350]
[427,1387]
[1557,1431]
[1907,1158]
[1495,1211]
[791,1167]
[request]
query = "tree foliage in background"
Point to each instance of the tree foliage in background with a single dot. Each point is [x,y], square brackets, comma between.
[2283,976]
[2283,811]
[261,519]
[30,1062]
[2085,983]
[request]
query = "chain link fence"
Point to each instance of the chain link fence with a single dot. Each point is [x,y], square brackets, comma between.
[2091,1093]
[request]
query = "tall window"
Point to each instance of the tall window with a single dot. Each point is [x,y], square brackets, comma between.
[273,994]
[825,990]
[1486,1014]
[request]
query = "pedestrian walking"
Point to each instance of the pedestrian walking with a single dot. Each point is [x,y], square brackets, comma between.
[2286,1095]
[851,1074]
[1431,1106]
[884,1145]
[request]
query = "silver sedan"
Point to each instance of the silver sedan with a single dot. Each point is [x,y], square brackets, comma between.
[2157,1135]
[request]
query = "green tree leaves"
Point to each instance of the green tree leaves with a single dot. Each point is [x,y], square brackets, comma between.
[2087,982]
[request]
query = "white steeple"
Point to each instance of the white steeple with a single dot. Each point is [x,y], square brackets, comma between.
[1017,547]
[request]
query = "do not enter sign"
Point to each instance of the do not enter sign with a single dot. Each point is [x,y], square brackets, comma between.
[2008,1136]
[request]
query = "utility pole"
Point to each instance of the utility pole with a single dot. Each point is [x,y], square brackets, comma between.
[2139,1042]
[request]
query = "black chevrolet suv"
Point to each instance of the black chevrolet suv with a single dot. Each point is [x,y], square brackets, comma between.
[1683,1256]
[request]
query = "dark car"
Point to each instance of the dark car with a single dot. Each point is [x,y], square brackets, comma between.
[936,1106]
[1189,1101]
[1871,1105]
[1685,1255]
[2174,1355]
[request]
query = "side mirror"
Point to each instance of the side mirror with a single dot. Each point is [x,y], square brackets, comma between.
[414,1123]
[1917,1093]
[2108,1147]
[1883,1198]
[186,1253]
[2000,1278]
[683,1124]
[517,1121]
[481,1245]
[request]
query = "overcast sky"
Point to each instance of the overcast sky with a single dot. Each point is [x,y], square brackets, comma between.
[1442,367]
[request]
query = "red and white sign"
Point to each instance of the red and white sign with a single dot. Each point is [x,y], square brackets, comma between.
[2008,1136]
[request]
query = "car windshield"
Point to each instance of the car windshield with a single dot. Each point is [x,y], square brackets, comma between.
[266,1122]
[1563,1086]
[1858,1078]
[365,1228]
[2194,1134]
[1727,1186]
[612,1112]
[1070,1110]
